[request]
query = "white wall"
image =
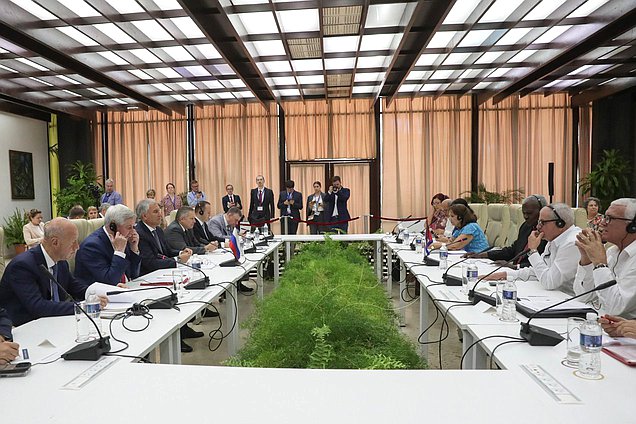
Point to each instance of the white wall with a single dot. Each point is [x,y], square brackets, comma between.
[25,135]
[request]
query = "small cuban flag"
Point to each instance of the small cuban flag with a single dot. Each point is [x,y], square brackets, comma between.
[429,238]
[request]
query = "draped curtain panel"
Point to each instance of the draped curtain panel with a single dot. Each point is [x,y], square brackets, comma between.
[425,150]
[234,144]
[355,177]
[525,134]
[304,176]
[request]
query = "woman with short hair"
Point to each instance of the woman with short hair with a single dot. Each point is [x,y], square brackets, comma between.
[171,201]
[468,235]
[593,208]
[33,231]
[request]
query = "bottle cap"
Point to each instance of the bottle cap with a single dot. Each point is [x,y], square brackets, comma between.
[591,316]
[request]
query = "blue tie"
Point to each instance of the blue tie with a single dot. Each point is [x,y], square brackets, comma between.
[55,296]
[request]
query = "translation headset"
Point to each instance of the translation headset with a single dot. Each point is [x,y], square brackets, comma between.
[539,201]
[560,223]
[201,208]
[631,227]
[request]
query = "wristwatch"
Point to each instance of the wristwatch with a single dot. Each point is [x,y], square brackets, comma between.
[600,266]
[532,252]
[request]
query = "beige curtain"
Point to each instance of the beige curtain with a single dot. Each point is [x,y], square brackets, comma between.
[426,150]
[98,154]
[333,129]
[147,149]
[355,177]
[524,135]
[304,177]
[234,144]
[585,143]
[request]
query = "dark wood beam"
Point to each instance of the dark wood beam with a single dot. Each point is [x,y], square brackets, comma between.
[600,37]
[211,18]
[605,90]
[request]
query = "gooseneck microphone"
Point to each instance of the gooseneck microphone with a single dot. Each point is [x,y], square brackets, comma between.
[87,351]
[477,297]
[539,336]
[451,280]
[195,285]
[397,236]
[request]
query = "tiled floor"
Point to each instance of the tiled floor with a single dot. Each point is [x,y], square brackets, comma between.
[451,347]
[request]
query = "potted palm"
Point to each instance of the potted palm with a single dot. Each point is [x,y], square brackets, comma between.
[609,180]
[13,235]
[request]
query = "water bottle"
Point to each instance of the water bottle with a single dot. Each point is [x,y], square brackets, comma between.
[470,279]
[509,311]
[591,343]
[418,243]
[257,234]
[405,238]
[93,309]
[443,257]
[265,230]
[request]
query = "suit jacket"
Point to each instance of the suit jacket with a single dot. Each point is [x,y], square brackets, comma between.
[96,261]
[310,210]
[237,201]
[254,215]
[517,247]
[149,249]
[113,198]
[5,325]
[202,233]
[32,234]
[342,197]
[218,228]
[177,239]
[25,290]
[297,197]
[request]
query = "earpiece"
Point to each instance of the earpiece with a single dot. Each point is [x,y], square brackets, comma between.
[631,227]
[560,223]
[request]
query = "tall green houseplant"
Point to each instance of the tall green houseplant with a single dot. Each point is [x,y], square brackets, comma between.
[609,180]
[81,188]
[13,235]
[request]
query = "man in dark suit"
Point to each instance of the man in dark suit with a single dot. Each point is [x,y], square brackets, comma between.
[337,198]
[261,203]
[231,200]
[202,213]
[110,254]
[180,234]
[28,293]
[8,349]
[152,243]
[316,208]
[290,202]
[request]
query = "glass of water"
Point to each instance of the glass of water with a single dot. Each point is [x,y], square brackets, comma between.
[178,281]
[573,341]
[499,298]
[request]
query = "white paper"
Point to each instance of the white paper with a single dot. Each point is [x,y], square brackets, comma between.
[127,296]
[537,303]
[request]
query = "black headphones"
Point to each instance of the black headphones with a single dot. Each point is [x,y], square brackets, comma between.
[200,207]
[631,227]
[539,201]
[560,223]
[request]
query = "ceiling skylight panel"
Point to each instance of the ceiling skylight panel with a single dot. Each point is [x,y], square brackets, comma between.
[227,96]
[379,42]
[178,53]
[461,11]
[580,69]
[470,73]
[341,44]
[208,51]
[187,26]
[6,68]
[72,93]
[427,59]
[115,33]
[312,79]
[145,55]
[417,75]
[96,91]
[551,34]
[456,58]
[187,86]
[385,15]
[364,89]
[431,87]
[197,71]
[302,20]
[291,92]
[475,38]
[441,39]
[258,22]
[442,74]
[373,61]
[488,57]
[41,81]
[224,69]
[340,63]
[213,85]
[125,6]
[179,97]
[307,65]
[168,72]
[513,36]
[276,66]
[408,88]
[522,55]
[120,101]
[543,10]
[112,57]
[281,81]
[69,80]
[32,64]
[244,94]
[96,102]
[233,83]
[167,4]
[162,87]
[80,8]
[34,9]
[151,29]
[587,8]
[78,36]
[201,96]
[266,48]
[140,74]
[500,10]
[481,85]
[553,83]
[499,72]
[368,76]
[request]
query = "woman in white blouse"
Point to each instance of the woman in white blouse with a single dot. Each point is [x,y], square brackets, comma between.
[316,208]
[33,231]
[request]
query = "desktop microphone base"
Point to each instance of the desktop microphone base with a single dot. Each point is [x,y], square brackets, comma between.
[430,261]
[167,302]
[199,284]
[450,280]
[230,263]
[537,336]
[477,297]
[88,351]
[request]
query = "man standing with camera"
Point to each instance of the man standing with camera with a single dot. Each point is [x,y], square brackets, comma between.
[337,198]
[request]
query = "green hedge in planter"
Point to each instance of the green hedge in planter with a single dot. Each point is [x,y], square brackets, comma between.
[328,312]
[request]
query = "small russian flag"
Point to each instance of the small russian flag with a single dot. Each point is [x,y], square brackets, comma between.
[234,245]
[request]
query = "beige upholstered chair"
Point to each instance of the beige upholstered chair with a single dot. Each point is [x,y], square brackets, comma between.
[516,219]
[94,224]
[171,217]
[481,210]
[498,224]
[580,217]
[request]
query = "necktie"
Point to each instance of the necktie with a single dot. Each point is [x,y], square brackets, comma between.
[55,296]
[231,199]
[260,197]
[156,237]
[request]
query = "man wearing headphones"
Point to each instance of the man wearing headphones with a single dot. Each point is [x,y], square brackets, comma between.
[556,267]
[202,213]
[619,262]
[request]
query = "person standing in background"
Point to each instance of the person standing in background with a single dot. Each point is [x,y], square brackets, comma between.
[316,207]
[33,231]
[110,195]
[195,195]
[170,202]
[337,197]
[261,203]
[290,202]
[231,200]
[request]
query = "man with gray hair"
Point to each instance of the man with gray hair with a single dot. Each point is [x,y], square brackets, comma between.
[556,267]
[26,290]
[103,208]
[110,196]
[530,207]
[110,254]
[598,266]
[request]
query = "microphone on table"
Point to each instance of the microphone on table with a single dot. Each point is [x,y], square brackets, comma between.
[397,236]
[451,280]
[86,351]
[476,297]
[166,302]
[539,336]
[434,262]
[195,285]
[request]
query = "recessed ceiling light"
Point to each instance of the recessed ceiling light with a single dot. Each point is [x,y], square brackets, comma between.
[373,61]
[258,22]
[32,64]
[341,44]
[115,33]
[151,29]
[385,15]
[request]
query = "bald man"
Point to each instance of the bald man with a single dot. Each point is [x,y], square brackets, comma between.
[26,291]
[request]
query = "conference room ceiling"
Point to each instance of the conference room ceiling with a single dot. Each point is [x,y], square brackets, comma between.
[77,56]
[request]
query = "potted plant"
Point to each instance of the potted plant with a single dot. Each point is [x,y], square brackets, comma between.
[13,235]
[482,195]
[81,188]
[609,180]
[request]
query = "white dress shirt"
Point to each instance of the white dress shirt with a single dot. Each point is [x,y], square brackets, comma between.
[619,299]
[556,267]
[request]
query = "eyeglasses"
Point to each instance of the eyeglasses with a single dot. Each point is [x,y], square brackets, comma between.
[541,222]
[608,218]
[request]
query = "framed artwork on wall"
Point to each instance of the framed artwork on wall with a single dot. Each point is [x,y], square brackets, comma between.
[21,170]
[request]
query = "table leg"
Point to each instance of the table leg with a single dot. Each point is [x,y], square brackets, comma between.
[402,303]
[423,322]
[287,251]
[259,279]
[389,276]
[476,357]
[232,317]
[170,349]
[276,266]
